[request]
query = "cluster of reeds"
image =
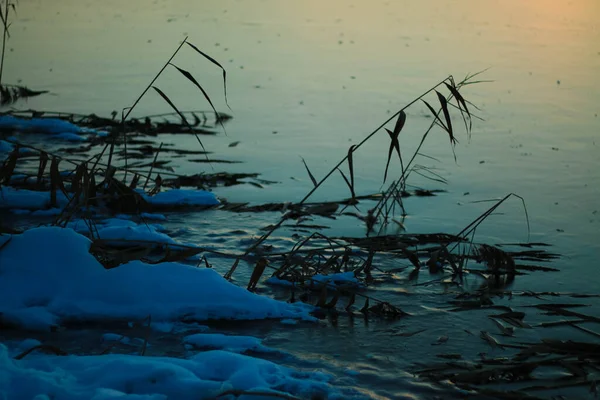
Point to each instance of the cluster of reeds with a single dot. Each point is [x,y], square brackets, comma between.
[446,256]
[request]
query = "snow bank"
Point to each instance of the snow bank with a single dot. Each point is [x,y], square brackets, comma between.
[69,137]
[48,275]
[113,376]
[38,125]
[235,344]
[121,229]
[182,197]
[28,199]
[35,200]
[339,279]
[156,217]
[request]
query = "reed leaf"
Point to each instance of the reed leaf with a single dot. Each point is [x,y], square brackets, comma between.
[9,166]
[56,177]
[41,167]
[462,104]
[232,269]
[351,167]
[166,98]
[395,144]
[195,82]
[134,181]
[412,257]
[448,125]
[91,192]
[365,308]
[257,273]
[312,178]
[209,58]
[322,301]
[350,186]
[351,301]
[334,300]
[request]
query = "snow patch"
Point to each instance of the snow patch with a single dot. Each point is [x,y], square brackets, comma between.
[48,275]
[28,199]
[38,125]
[204,376]
[235,344]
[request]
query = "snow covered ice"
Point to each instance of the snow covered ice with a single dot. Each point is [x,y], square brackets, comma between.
[60,280]
[115,376]
[49,277]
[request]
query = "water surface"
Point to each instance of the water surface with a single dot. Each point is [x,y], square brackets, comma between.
[310,78]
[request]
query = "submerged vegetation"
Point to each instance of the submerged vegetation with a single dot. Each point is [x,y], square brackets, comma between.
[119,171]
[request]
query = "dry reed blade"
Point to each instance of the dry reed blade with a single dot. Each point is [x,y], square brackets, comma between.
[41,168]
[353,200]
[134,181]
[351,301]
[351,167]
[448,125]
[218,65]
[9,166]
[257,273]
[153,163]
[412,257]
[195,82]
[365,308]
[232,269]
[311,176]
[475,223]
[91,192]
[46,347]
[334,300]
[322,301]
[395,144]
[135,103]
[166,98]
[56,176]
[462,104]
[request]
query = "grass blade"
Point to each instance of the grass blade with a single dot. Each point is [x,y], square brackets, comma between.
[41,168]
[462,104]
[195,82]
[400,123]
[350,186]
[209,58]
[365,308]
[312,178]
[232,269]
[448,125]
[164,96]
[258,271]
[9,166]
[395,144]
[351,167]
[351,301]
